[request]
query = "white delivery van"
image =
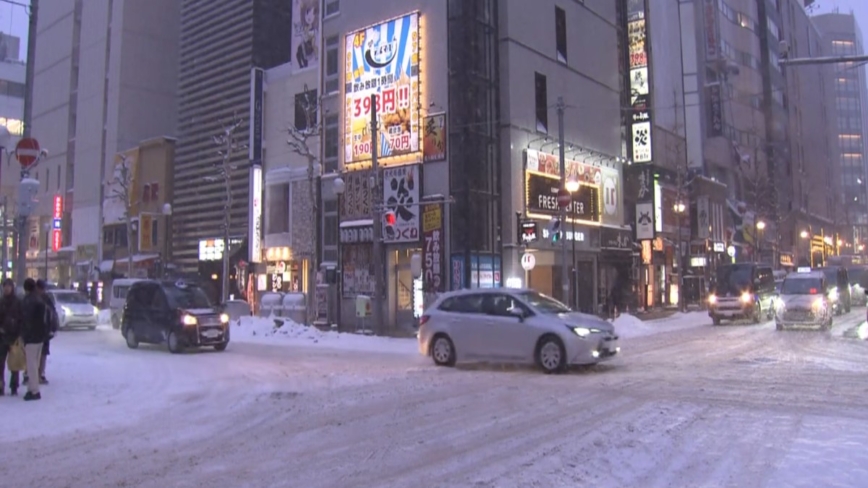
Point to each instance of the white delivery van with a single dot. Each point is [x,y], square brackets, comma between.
[118,298]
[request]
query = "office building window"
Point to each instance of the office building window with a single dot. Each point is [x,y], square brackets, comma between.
[332,140]
[155,228]
[277,200]
[332,79]
[541,99]
[561,34]
[332,7]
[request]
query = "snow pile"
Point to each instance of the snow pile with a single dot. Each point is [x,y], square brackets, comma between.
[629,326]
[266,331]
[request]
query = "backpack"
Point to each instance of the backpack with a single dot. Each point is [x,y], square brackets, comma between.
[51,318]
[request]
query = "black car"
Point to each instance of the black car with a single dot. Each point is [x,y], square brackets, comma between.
[176,313]
[742,291]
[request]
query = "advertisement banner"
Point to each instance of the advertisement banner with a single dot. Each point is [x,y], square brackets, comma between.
[712,42]
[640,84]
[541,197]
[715,111]
[57,224]
[384,60]
[255,237]
[257,87]
[613,209]
[146,234]
[434,256]
[703,220]
[644,221]
[434,142]
[401,195]
[305,34]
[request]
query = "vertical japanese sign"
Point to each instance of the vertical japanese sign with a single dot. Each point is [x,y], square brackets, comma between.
[384,60]
[401,195]
[146,236]
[712,36]
[715,111]
[56,224]
[433,257]
[434,139]
[255,237]
[256,114]
[640,84]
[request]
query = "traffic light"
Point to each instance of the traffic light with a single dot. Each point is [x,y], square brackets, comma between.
[389,223]
[555,230]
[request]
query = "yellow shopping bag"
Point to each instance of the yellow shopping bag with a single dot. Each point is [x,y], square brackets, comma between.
[15,359]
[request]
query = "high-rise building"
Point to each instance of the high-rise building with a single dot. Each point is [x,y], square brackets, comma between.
[105,79]
[221,40]
[842,37]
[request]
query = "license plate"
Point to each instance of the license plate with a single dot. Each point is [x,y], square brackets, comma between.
[211,334]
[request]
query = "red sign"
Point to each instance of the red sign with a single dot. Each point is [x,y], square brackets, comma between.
[434,256]
[26,151]
[564,198]
[58,207]
[56,240]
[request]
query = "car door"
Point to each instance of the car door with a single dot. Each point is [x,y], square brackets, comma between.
[134,315]
[159,315]
[146,299]
[511,337]
[465,325]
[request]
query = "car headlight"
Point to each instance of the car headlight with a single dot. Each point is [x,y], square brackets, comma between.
[66,310]
[188,319]
[712,299]
[224,318]
[818,304]
[583,331]
[833,294]
[746,297]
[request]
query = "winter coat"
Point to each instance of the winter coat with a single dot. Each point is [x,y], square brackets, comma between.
[35,324]
[51,312]
[10,319]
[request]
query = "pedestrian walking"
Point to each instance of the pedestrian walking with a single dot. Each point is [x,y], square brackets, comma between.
[34,332]
[11,347]
[53,324]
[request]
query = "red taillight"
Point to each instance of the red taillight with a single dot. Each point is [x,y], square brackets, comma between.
[423,319]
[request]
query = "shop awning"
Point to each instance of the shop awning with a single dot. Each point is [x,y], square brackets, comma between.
[357,223]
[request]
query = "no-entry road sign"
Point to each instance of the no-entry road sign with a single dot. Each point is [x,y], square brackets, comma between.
[27,151]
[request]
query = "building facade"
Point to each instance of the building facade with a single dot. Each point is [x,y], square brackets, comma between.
[849,98]
[220,42]
[12,76]
[105,79]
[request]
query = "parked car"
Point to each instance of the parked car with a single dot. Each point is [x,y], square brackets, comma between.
[858,281]
[513,325]
[742,291]
[74,309]
[175,313]
[118,299]
[805,301]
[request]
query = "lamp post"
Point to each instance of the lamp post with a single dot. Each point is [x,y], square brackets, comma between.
[572,186]
[760,227]
[167,214]
[46,228]
[805,235]
[339,188]
[680,208]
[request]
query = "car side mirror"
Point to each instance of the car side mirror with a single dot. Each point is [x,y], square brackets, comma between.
[518,313]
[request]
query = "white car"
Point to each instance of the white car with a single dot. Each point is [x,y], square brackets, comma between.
[74,309]
[806,300]
[514,326]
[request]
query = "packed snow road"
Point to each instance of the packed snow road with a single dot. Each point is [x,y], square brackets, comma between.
[735,405]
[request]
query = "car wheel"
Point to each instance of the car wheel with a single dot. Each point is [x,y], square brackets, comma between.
[174,342]
[116,322]
[221,347]
[551,354]
[132,340]
[443,350]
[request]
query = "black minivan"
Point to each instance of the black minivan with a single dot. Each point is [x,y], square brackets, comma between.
[175,313]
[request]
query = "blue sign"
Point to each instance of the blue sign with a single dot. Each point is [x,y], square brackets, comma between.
[55,224]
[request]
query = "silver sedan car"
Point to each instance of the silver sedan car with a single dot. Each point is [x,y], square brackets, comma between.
[805,301]
[513,326]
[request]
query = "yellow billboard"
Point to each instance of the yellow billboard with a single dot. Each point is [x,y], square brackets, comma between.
[384,60]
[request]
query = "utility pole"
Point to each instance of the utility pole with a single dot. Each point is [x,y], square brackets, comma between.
[226,142]
[377,300]
[565,279]
[5,237]
[21,261]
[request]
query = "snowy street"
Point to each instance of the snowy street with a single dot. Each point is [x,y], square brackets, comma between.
[685,405]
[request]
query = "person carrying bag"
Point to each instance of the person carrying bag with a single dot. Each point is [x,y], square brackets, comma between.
[11,346]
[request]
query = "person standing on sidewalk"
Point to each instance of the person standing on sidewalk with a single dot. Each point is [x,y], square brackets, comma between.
[53,324]
[11,349]
[35,333]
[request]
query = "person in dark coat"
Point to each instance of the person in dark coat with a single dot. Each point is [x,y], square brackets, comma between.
[35,333]
[10,331]
[53,324]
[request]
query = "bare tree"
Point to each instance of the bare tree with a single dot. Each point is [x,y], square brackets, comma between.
[227,146]
[304,136]
[122,189]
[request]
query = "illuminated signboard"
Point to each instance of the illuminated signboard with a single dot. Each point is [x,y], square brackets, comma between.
[255,237]
[541,197]
[640,88]
[384,60]
[56,232]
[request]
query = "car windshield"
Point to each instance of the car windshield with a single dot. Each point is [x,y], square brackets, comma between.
[70,298]
[734,279]
[187,297]
[543,303]
[802,286]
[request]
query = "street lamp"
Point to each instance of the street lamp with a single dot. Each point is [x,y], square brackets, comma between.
[680,208]
[339,188]
[167,213]
[760,227]
[572,186]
